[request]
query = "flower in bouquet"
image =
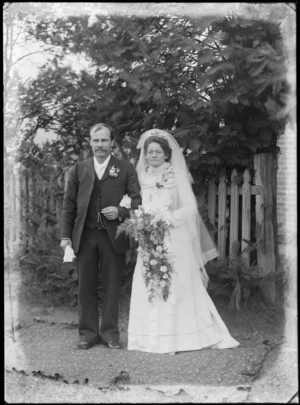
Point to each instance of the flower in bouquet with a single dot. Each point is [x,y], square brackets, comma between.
[150,225]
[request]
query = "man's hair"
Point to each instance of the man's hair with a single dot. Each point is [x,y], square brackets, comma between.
[162,142]
[101,125]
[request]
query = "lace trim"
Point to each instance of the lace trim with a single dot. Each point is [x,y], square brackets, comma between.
[160,177]
[154,171]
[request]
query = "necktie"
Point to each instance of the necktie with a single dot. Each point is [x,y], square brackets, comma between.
[100,170]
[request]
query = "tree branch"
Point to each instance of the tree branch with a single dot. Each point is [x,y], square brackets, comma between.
[29,54]
[209,46]
[21,31]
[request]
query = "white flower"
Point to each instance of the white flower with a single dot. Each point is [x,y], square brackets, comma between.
[159,248]
[165,275]
[92,20]
[138,212]
[153,262]
[163,269]
[113,171]
[153,221]
[125,202]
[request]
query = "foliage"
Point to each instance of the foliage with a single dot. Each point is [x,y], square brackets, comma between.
[234,278]
[44,274]
[41,262]
[219,85]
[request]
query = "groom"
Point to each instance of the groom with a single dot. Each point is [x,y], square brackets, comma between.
[90,215]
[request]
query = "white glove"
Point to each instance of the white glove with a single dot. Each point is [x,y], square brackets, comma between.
[69,254]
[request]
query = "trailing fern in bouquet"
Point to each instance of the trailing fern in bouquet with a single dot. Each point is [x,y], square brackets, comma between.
[150,225]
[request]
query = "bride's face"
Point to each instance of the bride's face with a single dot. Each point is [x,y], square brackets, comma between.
[155,155]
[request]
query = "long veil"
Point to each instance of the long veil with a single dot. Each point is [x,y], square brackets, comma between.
[202,244]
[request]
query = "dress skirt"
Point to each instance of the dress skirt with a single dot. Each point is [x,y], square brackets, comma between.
[189,319]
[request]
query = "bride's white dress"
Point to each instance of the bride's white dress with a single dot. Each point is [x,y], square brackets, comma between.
[189,319]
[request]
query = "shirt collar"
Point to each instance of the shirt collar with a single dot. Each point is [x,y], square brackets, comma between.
[101,165]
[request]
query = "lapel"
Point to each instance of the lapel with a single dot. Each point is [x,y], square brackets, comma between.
[90,168]
[112,162]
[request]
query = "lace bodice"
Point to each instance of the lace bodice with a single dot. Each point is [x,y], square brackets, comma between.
[158,185]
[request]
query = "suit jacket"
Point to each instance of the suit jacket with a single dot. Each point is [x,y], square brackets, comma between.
[78,193]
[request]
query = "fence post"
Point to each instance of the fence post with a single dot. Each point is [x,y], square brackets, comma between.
[58,198]
[51,194]
[12,227]
[212,192]
[246,215]
[201,197]
[17,208]
[66,178]
[23,207]
[234,215]
[222,215]
[264,172]
[29,196]
[8,194]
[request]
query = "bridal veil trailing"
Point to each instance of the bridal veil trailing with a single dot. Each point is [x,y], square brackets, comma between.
[203,248]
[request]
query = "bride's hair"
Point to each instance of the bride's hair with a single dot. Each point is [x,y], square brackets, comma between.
[162,142]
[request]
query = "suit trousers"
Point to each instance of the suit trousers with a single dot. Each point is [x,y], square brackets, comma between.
[96,248]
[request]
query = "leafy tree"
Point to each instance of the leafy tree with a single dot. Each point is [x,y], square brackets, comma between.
[219,85]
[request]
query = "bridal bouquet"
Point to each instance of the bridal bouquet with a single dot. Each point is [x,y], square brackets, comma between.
[150,225]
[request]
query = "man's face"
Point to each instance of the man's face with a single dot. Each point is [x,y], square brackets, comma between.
[101,144]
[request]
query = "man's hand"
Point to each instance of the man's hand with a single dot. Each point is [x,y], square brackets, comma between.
[65,242]
[110,213]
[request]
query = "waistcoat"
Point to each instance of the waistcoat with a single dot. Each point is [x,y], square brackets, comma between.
[93,218]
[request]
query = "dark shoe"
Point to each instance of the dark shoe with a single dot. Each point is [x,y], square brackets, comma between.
[83,346]
[112,345]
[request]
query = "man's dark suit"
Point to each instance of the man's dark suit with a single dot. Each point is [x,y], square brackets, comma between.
[93,245]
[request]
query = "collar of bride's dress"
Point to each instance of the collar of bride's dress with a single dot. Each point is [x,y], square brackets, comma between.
[157,170]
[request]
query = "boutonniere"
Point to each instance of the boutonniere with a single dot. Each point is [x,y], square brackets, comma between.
[114,171]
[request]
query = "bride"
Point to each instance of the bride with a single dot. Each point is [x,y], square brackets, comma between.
[188,319]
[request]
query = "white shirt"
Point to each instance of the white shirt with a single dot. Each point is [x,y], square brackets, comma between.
[100,167]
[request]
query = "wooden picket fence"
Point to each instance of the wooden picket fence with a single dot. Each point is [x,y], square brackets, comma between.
[244,215]
[231,207]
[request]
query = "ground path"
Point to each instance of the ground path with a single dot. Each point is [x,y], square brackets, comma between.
[41,346]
